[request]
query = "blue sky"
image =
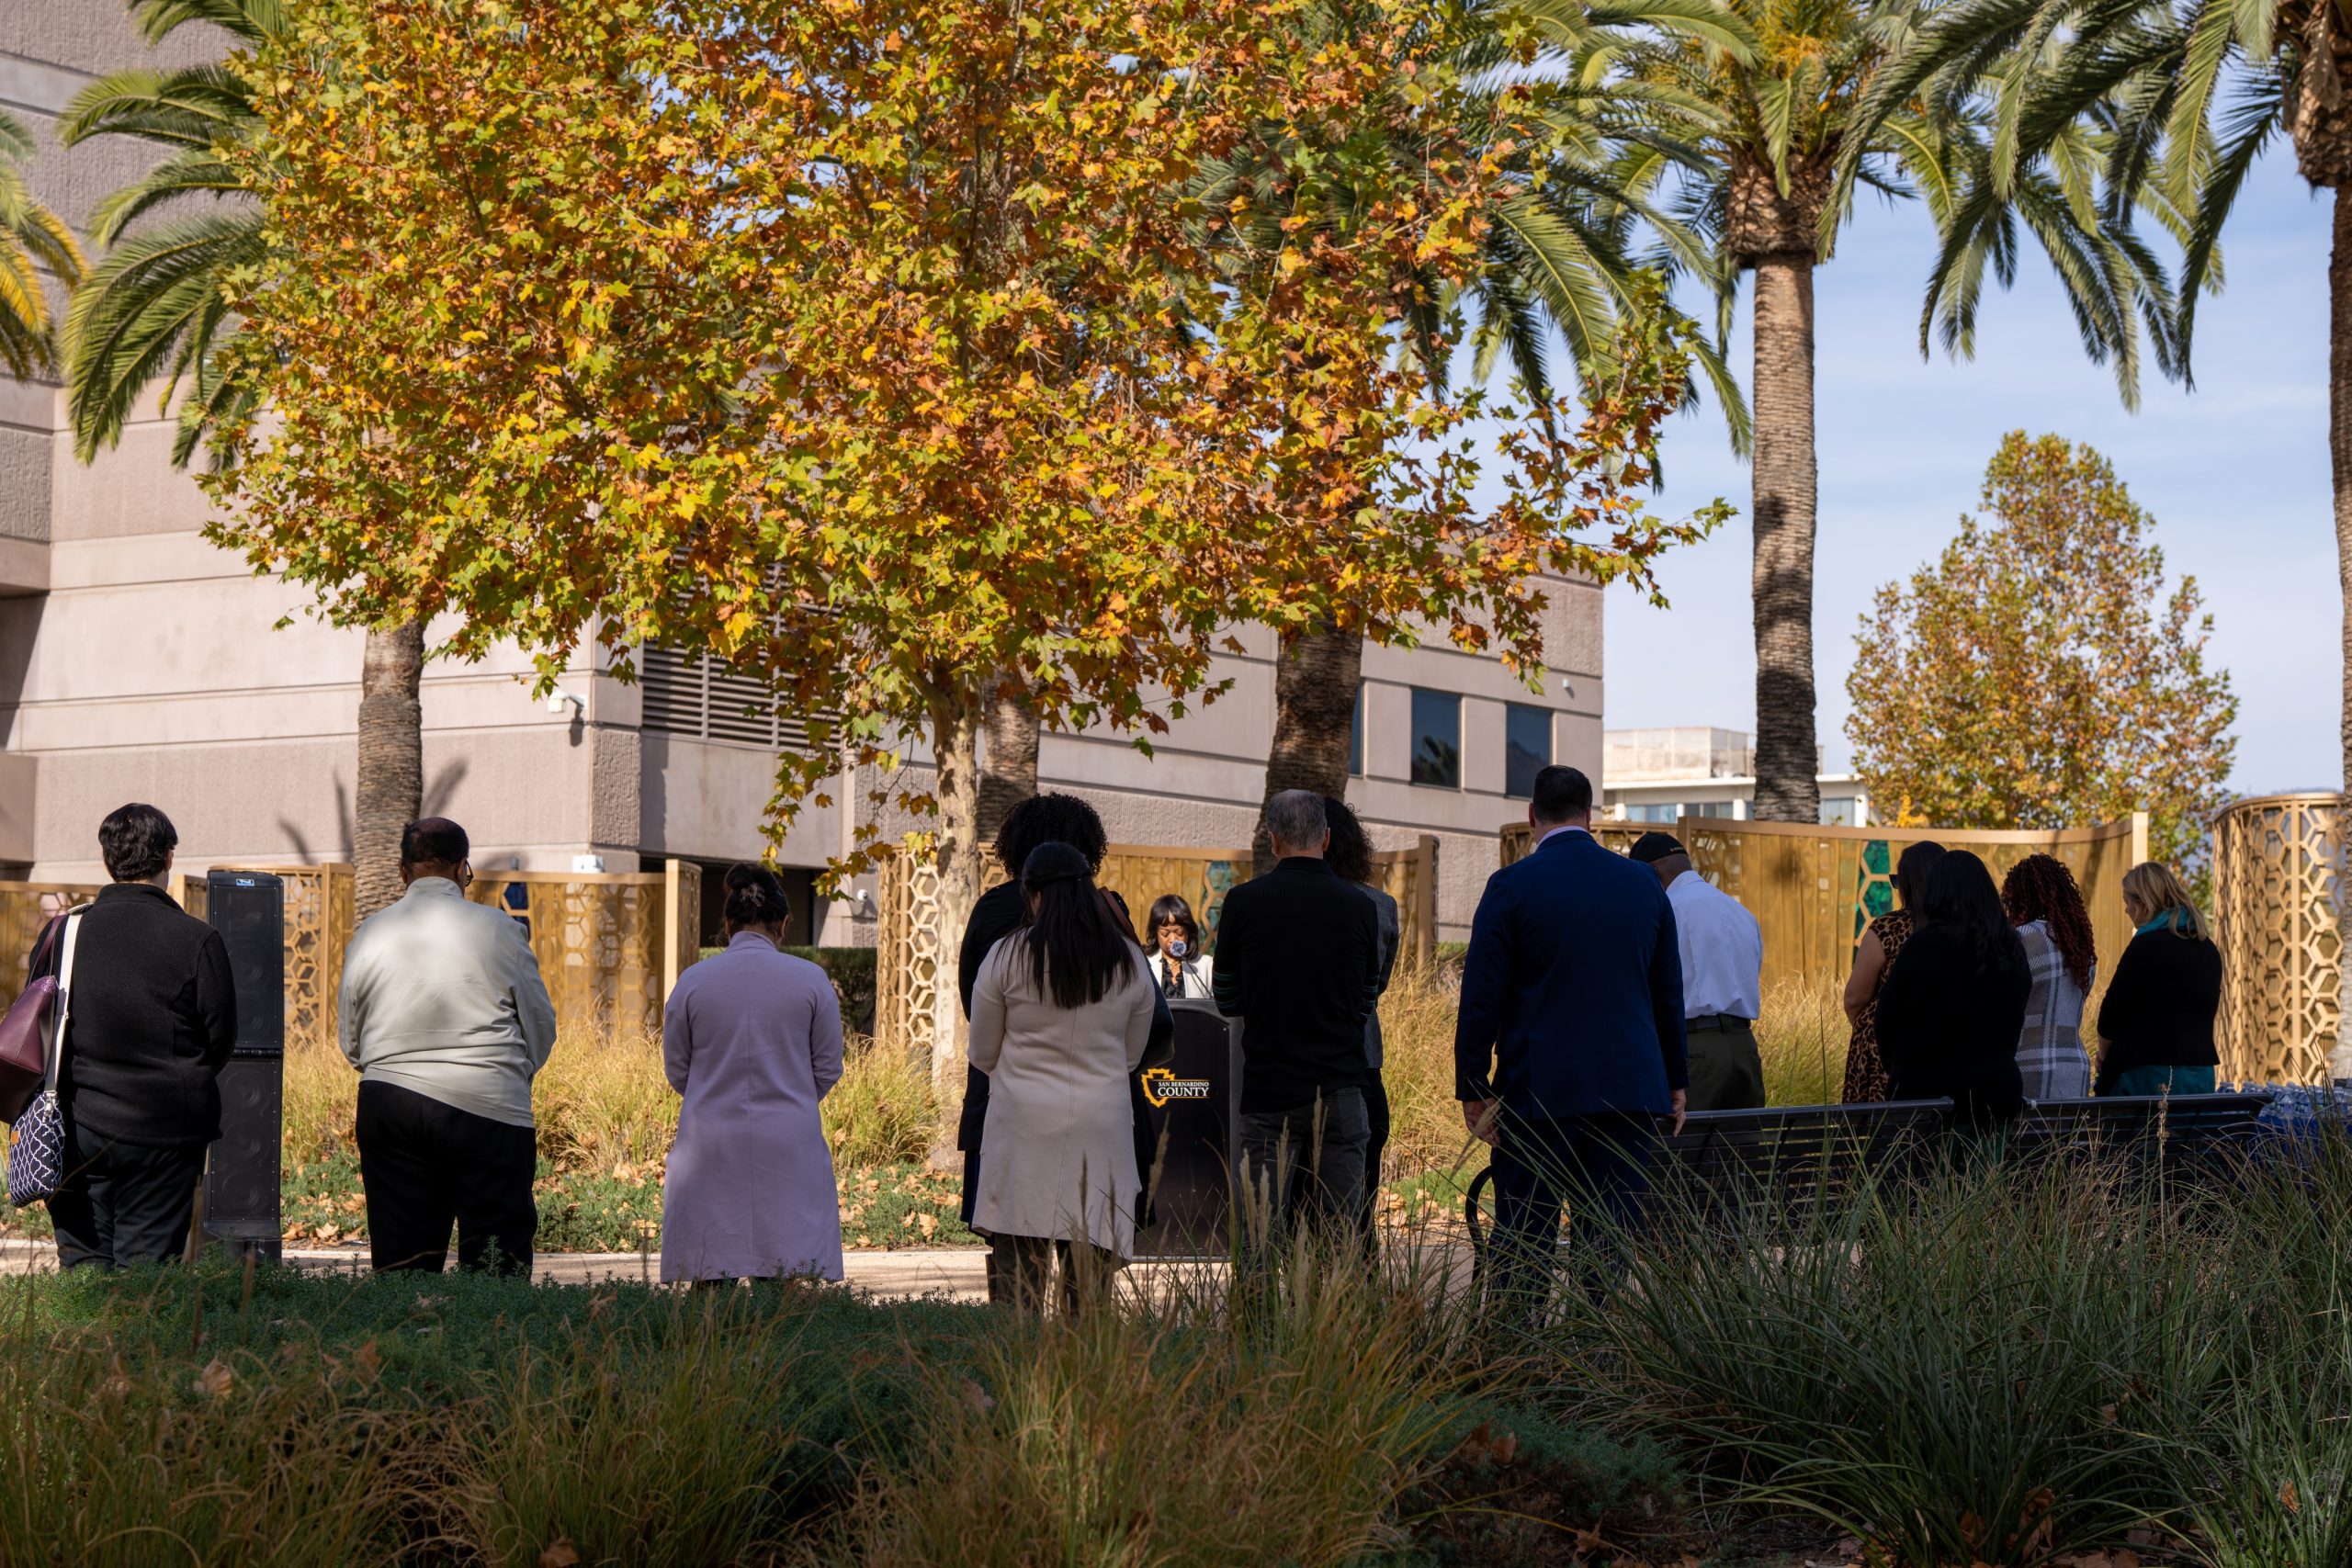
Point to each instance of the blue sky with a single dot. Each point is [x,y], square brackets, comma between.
[2234,473]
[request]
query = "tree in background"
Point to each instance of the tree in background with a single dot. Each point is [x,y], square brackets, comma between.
[156,309]
[2038,674]
[1557,255]
[871,349]
[1766,143]
[31,237]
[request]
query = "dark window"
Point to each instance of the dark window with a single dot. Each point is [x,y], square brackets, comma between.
[1355,736]
[1527,748]
[1437,738]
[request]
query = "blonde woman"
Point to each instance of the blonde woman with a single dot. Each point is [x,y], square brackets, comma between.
[2155,1026]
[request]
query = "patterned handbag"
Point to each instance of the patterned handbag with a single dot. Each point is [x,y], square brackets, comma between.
[37,1145]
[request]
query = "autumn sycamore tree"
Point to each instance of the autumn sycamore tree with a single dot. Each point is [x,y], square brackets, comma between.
[2039,674]
[868,348]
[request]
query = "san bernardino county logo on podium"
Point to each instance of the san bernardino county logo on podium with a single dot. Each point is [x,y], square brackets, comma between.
[1161,1086]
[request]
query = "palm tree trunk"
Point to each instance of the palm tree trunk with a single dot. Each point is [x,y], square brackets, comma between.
[1008,758]
[2339,454]
[391,760]
[1787,492]
[1315,708]
[956,720]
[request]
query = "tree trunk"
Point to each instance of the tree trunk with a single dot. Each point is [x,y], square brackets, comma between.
[1787,749]
[2339,454]
[1008,760]
[1315,707]
[391,760]
[955,719]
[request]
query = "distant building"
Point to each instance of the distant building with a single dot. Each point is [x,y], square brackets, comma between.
[1658,775]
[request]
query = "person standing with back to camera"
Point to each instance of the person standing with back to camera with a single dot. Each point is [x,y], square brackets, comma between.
[1051,817]
[444,1013]
[751,1040]
[152,1017]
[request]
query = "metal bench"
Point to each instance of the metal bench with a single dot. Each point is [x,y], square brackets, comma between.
[2184,1134]
[1788,1154]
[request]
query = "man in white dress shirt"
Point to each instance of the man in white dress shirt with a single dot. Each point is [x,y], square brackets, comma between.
[1723,968]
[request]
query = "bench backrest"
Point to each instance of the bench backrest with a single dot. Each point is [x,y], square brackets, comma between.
[1795,1150]
[2184,1130]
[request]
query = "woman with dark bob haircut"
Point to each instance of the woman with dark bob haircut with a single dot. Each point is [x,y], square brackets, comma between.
[1173,938]
[1061,1018]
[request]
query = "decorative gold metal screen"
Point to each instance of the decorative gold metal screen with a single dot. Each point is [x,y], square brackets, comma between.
[2276,865]
[1816,890]
[610,945]
[319,923]
[906,971]
[25,907]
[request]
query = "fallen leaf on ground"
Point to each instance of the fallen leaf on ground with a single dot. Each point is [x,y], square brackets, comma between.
[215,1380]
[559,1553]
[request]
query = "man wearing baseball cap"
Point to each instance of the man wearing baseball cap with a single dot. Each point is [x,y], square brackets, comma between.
[1723,963]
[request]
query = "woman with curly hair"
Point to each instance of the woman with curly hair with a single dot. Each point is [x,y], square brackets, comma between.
[2046,906]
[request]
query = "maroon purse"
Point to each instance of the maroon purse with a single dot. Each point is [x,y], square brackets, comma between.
[24,1032]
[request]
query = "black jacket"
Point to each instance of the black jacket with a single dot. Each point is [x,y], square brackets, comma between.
[1299,957]
[2160,1006]
[1000,912]
[1947,1027]
[152,1017]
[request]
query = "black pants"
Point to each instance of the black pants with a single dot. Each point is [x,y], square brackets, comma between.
[1021,1265]
[1726,1070]
[1375,1105]
[1596,1166]
[121,1204]
[426,1165]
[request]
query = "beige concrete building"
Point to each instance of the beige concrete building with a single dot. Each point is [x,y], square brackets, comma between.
[139,662]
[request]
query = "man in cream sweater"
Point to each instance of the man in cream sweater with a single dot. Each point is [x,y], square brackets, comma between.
[446,1017]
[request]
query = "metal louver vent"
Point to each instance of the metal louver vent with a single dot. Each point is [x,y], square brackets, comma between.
[683,695]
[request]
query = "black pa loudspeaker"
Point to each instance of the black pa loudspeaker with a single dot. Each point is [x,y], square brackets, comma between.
[241,1179]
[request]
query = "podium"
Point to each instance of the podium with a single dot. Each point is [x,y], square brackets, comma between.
[1195,1105]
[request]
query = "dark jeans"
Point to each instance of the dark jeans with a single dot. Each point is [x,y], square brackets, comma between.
[426,1165]
[1726,1071]
[1021,1265]
[1375,1105]
[1598,1166]
[1308,1161]
[121,1204]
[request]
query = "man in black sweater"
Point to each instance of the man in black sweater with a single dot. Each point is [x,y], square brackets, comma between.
[151,1014]
[1299,958]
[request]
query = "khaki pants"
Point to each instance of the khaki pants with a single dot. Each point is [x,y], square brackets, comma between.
[1727,1073]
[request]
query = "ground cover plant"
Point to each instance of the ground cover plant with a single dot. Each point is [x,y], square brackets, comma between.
[222,1415]
[2009,1365]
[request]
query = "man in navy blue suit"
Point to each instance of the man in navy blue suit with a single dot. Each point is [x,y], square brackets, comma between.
[1573,993]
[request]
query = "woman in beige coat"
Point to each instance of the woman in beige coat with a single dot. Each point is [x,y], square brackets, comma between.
[1061,1015]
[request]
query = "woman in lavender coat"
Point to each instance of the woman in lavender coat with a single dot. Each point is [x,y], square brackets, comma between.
[753,1040]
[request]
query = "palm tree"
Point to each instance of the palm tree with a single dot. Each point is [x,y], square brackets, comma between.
[2181,100]
[1767,145]
[1560,259]
[32,239]
[155,310]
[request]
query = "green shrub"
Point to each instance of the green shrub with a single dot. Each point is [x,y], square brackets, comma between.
[852,971]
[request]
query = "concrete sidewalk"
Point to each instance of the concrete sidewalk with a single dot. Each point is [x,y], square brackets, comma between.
[955,1273]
